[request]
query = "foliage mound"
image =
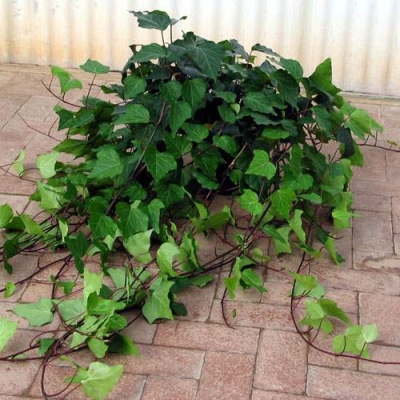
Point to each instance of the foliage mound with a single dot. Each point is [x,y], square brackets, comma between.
[191,120]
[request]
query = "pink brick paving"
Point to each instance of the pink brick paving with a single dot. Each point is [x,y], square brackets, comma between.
[199,357]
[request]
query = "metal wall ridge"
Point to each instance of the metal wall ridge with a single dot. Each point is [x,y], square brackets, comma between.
[361,36]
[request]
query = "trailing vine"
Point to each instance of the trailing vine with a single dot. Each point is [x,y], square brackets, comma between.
[195,120]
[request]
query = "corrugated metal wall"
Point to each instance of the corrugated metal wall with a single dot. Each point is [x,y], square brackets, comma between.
[361,36]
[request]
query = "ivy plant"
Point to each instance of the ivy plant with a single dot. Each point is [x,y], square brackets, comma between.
[193,119]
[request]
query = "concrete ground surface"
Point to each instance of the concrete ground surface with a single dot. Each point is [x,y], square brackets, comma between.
[198,356]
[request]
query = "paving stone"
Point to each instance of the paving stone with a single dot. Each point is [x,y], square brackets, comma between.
[40,144]
[281,362]
[9,105]
[254,315]
[198,301]
[396,214]
[382,353]
[383,311]
[365,186]
[382,261]
[370,202]
[11,373]
[141,331]
[35,291]
[392,128]
[213,337]
[159,388]
[38,108]
[374,165]
[396,242]
[373,232]
[17,203]
[357,280]
[264,395]
[277,293]
[30,85]
[226,376]
[331,383]
[10,185]
[163,361]
[389,110]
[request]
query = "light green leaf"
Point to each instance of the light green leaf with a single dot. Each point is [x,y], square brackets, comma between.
[67,82]
[31,226]
[296,223]
[138,246]
[100,380]
[51,197]
[17,163]
[159,164]
[249,202]
[282,247]
[6,215]
[45,344]
[9,290]
[282,200]
[231,283]
[369,332]
[261,166]
[133,85]
[134,114]
[165,256]
[107,165]
[179,112]
[312,198]
[252,279]
[37,314]
[307,285]
[94,67]
[92,283]
[72,310]
[63,226]
[157,304]
[97,347]
[7,331]
[275,133]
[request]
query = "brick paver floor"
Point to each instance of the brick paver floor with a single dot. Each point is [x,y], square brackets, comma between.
[199,356]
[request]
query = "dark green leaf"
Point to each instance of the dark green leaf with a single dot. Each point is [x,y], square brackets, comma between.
[159,164]
[226,143]
[150,52]
[171,91]
[293,67]
[259,102]
[133,85]
[131,219]
[122,344]
[193,92]
[282,200]
[227,113]
[45,344]
[72,146]
[107,165]
[322,78]
[261,165]
[195,133]
[208,56]
[153,19]
[179,112]
[134,114]
[275,133]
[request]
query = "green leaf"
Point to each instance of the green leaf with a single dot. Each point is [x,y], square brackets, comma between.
[72,310]
[67,82]
[195,133]
[66,286]
[312,198]
[153,209]
[134,114]
[213,221]
[157,304]
[37,314]
[170,194]
[6,215]
[249,202]
[45,344]
[293,67]
[208,56]
[252,279]
[287,86]
[329,243]
[18,163]
[226,143]
[94,67]
[122,344]
[9,290]
[153,19]
[7,331]
[97,347]
[107,165]
[100,380]
[282,247]
[226,113]
[133,85]
[132,219]
[369,332]
[138,246]
[171,91]
[92,283]
[193,92]
[259,102]
[179,112]
[322,78]
[102,226]
[331,308]
[307,285]
[31,226]
[296,223]
[231,283]
[275,133]
[46,164]
[72,146]
[159,164]
[51,197]
[282,200]
[149,52]
[228,97]
[261,166]
[165,256]
[78,246]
